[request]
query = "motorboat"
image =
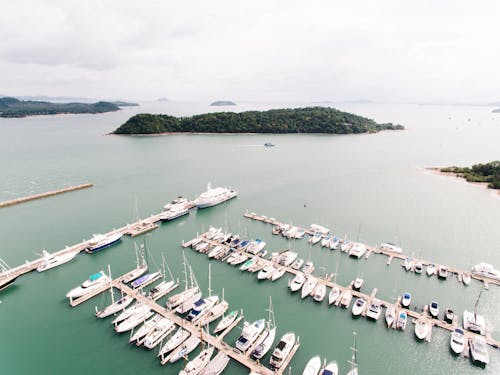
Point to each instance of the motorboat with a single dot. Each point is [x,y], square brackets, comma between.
[325,242]
[161,289]
[334,243]
[266,272]
[282,350]
[257,266]
[297,282]
[466,278]
[7,277]
[116,306]
[95,281]
[216,250]
[474,322]
[431,269]
[101,241]
[226,321]
[442,272]
[479,350]
[308,267]
[174,213]
[449,315]
[457,341]
[358,306]
[180,201]
[333,295]
[201,307]
[147,327]
[297,264]
[201,247]
[212,232]
[254,247]
[197,364]
[316,238]
[249,263]
[331,368]
[240,258]
[134,320]
[374,310]
[249,334]
[390,315]
[276,229]
[313,366]
[50,260]
[188,304]
[345,301]
[299,233]
[345,245]
[179,298]
[315,228]
[358,283]
[421,328]
[319,292]
[214,313]
[286,258]
[217,365]
[144,280]
[401,322]
[387,246]
[185,348]
[174,341]
[278,273]
[215,196]
[434,309]
[308,286]
[161,330]
[357,250]
[408,263]
[486,270]
[406,300]
[418,267]
[264,343]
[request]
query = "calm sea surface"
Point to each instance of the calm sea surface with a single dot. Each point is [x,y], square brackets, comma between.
[371,188]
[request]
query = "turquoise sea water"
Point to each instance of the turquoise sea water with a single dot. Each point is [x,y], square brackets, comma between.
[372,188]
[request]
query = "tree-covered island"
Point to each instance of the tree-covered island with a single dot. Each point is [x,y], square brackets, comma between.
[488,173]
[276,121]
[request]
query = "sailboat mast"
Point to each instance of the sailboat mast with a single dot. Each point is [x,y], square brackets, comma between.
[209,280]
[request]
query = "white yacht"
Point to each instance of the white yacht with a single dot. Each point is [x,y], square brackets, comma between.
[133,321]
[162,289]
[486,270]
[147,327]
[214,196]
[333,295]
[374,310]
[297,264]
[282,350]
[431,269]
[184,349]
[226,321]
[387,246]
[402,319]
[297,282]
[457,341]
[319,292]
[390,315]
[161,330]
[325,242]
[345,245]
[179,298]
[254,247]
[266,272]
[249,334]
[174,341]
[217,365]
[180,201]
[331,368]
[357,250]
[334,243]
[264,343]
[434,309]
[249,263]
[406,300]
[421,328]
[278,273]
[313,366]
[315,238]
[358,283]
[308,286]
[201,307]
[95,281]
[214,313]
[474,322]
[358,306]
[188,304]
[50,261]
[308,267]
[195,366]
[286,258]
[116,306]
[479,350]
[346,299]
[174,213]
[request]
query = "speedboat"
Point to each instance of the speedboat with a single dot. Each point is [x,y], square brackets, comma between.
[226,321]
[421,328]
[297,264]
[374,310]
[390,315]
[297,282]
[161,289]
[188,304]
[401,322]
[418,267]
[116,306]
[266,272]
[466,278]
[214,196]
[240,258]
[486,270]
[264,343]
[201,307]
[161,330]
[308,267]
[313,366]
[214,313]
[408,263]
[442,272]
[95,281]
[50,260]
[431,270]
[406,300]
[345,301]
[358,283]
[144,280]
[217,365]
[358,306]
[333,295]
[282,350]
[474,322]
[185,348]
[174,341]
[449,315]
[308,286]
[177,299]
[319,292]
[479,351]
[278,273]
[100,242]
[357,250]
[255,247]
[457,341]
[315,238]
[330,369]
[325,242]
[387,246]
[195,366]
[434,309]
[249,334]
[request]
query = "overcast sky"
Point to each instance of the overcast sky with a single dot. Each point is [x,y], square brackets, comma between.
[252,50]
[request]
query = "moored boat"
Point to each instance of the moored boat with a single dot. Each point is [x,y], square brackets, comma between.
[174,341]
[479,350]
[374,310]
[249,334]
[101,241]
[434,309]
[331,368]
[358,306]
[217,365]
[406,300]
[144,280]
[214,196]
[486,270]
[402,319]
[346,299]
[297,282]
[333,295]
[50,260]
[421,328]
[319,292]
[309,285]
[264,343]
[313,366]
[226,321]
[116,306]
[184,349]
[457,341]
[196,366]
[390,315]
[95,281]
[282,350]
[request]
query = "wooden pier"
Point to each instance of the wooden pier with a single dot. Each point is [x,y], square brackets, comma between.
[391,255]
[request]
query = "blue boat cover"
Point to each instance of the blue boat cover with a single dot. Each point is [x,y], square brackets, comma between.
[95,276]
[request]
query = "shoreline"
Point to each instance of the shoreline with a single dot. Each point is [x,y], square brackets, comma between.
[217,133]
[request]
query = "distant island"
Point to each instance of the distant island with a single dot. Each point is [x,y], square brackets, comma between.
[276,121]
[488,173]
[496,110]
[222,103]
[12,107]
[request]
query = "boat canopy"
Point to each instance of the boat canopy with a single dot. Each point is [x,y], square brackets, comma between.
[95,276]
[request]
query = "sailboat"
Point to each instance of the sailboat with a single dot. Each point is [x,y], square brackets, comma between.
[7,277]
[266,339]
[216,365]
[215,312]
[115,306]
[474,322]
[185,348]
[197,365]
[189,290]
[173,342]
[147,327]
[203,305]
[226,321]
[161,330]
[142,266]
[352,362]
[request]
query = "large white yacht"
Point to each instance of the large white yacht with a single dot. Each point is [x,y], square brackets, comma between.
[214,196]
[94,282]
[249,334]
[486,270]
[282,350]
[51,260]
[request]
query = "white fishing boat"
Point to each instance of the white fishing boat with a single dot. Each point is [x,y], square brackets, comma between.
[358,283]
[479,350]
[387,246]
[278,273]
[249,334]
[346,299]
[214,313]
[358,306]
[174,341]
[196,366]
[313,366]
[214,196]
[474,322]
[184,349]
[201,307]
[374,310]
[466,278]
[282,350]
[402,319]
[101,241]
[115,306]
[457,341]
[331,368]
[486,270]
[390,315]
[297,282]
[308,286]
[95,281]
[406,300]
[308,267]
[50,260]
[421,328]
[297,264]
[161,330]
[333,295]
[431,269]
[319,292]
[226,321]
[146,327]
[217,365]
[434,309]
[266,272]
[133,320]
[357,250]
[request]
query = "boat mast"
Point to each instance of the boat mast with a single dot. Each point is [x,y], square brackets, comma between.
[185,271]
[354,350]
[271,315]
[209,280]
[165,265]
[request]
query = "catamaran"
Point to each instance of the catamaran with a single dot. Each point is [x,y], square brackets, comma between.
[357,250]
[50,260]
[214,196]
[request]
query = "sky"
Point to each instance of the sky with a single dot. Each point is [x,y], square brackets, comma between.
[384,51]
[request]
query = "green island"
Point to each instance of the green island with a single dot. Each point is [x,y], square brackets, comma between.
[12,107]
[488,173]
[222,103]
[276,121]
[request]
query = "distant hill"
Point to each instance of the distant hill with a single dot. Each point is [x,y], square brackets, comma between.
[222,103]
[496,110]
[277,121]
[12,107]
[162,100]
[119,103]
